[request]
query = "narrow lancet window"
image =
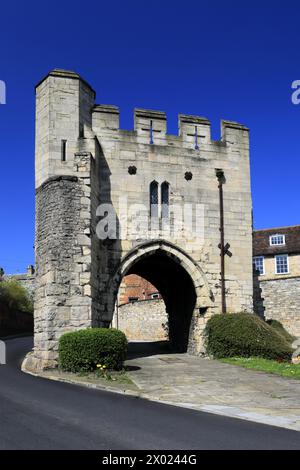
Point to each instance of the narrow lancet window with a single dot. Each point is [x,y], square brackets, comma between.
[165,200]
[154,199]
[63,150]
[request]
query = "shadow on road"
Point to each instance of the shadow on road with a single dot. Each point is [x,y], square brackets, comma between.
[7,332]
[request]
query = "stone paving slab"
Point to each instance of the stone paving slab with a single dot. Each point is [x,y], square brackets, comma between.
[208,385]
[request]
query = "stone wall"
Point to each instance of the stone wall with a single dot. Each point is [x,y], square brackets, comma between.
[145,320]
[280,300]
[26,280]
[62,297]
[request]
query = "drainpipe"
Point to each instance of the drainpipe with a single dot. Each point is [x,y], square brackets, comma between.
[221,180]
[117,312]
[115,323]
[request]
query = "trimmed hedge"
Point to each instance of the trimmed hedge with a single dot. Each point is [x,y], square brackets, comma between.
[82,350]
[281,330]
[245,335]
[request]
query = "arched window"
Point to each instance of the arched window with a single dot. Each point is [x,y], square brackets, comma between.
[165,200]
[154,199]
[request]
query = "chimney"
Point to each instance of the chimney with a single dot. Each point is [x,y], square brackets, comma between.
[30,270]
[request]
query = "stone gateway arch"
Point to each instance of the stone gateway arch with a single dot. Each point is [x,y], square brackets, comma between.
[175,209]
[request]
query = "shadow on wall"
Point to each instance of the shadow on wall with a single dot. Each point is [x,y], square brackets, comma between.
[107,253]
[258,300]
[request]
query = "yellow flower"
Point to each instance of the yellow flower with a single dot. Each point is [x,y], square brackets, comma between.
[99,365]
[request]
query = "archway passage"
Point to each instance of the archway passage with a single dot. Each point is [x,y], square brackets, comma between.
[177,290]
[141,313]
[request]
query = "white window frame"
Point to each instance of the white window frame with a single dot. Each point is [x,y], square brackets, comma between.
[277,235]
[263,262]
[288,264]
[155,295]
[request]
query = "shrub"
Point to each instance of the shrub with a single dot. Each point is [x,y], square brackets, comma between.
[281,330]
[82,350]
[245,335]
[15,296]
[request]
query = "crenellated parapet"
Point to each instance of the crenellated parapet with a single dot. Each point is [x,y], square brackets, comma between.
[194,130]
[67,118]
[234,133]
[105,118]
[150,127]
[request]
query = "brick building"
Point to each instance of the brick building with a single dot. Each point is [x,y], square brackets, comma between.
[134,288]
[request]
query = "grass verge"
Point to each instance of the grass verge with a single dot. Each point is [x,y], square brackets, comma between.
[285,369]
[119,377]
[118,380]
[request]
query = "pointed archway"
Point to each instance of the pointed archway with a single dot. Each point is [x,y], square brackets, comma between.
[178,278]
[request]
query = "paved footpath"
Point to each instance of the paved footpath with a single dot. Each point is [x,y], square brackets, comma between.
[208,385]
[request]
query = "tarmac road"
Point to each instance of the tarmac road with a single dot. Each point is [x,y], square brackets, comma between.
[37,413]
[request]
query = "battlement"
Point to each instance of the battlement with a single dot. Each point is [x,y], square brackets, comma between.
[105,118]
[150,127]
[67,120]
[194,129]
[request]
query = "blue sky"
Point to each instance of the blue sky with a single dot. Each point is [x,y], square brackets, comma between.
[218,59]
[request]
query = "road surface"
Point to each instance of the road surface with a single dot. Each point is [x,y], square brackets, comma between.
[37,413]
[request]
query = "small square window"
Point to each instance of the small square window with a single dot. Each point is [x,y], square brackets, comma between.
[259,264]
[277,239]
[281,264]
[155,296]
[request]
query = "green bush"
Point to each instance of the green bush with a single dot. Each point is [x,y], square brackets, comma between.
[245,335]
[15,296]
[82,350]
[281,330]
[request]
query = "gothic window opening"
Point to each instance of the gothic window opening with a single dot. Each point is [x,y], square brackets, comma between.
[63,150]
[165,200]
[154,199]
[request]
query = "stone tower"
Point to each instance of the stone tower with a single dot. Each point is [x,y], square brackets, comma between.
[84,160]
